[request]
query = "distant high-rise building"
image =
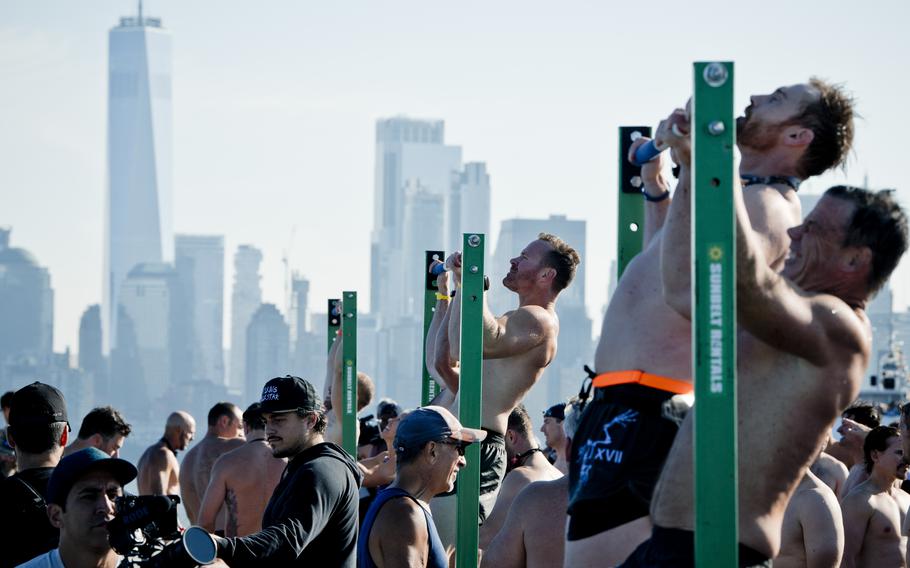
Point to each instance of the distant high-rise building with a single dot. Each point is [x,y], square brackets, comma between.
[138,224]
[26,307]
[407,152]
[154,334]
[267,342]
[200,273]
[309,343]
[245,300]
[469,206]
[91,358]
[423,230]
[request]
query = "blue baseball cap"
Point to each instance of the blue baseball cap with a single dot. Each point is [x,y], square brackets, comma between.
[74,466]
[432,423]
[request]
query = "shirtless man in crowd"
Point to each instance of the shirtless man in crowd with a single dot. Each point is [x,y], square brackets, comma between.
[333,393]
[532,537]
[806,324]
[158,468]
[644,358]
[223,435]
[813,528]
[527,464]
[517,346]
[875,510]
[243,480]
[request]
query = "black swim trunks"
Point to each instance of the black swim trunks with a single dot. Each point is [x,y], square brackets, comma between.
[618,451]
[492,470]
[675,548]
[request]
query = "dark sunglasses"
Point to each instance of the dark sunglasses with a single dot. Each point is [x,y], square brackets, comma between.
[459,446]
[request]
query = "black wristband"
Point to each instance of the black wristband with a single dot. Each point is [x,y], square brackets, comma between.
[656,199]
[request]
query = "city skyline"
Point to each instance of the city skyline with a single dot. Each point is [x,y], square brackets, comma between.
[258,142]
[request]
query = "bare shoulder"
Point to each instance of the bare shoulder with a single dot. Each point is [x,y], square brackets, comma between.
[860,500]
[402,519]
[830,464]
[763,200]
[159,456]
[534,318]
[847,328]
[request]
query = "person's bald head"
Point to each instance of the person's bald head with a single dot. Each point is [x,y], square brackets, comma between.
[179,429]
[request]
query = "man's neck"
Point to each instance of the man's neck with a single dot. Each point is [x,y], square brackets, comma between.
[415,483]
[33,461]
[882,480]
[766,164]
[255,436]
[546,301]
[77,556]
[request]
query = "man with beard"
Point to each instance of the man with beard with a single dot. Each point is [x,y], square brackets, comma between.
[644,357]
[517,346]
[312,515]
[875,510]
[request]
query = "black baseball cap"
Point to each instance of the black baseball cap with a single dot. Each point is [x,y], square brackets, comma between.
[432,423]
[77,464]
[37,404]
[557,411]
[287,394]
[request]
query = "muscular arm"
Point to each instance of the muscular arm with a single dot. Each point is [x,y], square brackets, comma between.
[214,497]
[507,549]
[399,538]
[654,183]
[856,513]
[823,530]
[513,483]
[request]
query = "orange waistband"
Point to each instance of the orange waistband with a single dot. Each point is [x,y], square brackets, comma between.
[614,378]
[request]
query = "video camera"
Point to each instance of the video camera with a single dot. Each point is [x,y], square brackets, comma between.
[145,532]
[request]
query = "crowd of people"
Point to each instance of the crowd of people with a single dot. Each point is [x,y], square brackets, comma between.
[612,485]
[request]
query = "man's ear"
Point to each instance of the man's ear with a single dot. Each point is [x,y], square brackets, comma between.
[96,440]
[64,438]
[548,274]
[55,515]
[798,136]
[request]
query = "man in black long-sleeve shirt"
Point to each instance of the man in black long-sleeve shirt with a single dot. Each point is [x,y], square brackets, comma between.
[312,516]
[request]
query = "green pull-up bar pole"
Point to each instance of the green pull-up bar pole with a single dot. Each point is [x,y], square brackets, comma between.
[333,321]
[469,394]
[630,207]
[430,388]
[714,316]
[349,373]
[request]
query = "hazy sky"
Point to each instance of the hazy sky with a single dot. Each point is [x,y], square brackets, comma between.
[275,104]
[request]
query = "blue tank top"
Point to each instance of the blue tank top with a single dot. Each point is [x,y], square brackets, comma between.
[437,554]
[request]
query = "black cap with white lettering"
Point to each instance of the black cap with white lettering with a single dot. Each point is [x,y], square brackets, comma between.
[288,394]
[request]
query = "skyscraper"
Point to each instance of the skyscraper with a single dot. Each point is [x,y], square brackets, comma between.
[138,205]
[469,206]
[267,343]
[91,359]
[245,300]
[408,152]
[26,307]
[200,273]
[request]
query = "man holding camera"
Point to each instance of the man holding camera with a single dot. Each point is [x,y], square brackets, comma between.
[312,516]
[80,497]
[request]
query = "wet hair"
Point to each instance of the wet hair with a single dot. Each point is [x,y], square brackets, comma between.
[864,412]
[220,409]
[878,223]
[365,391]
[877,441]
[104,420]
[38,438]
[7,399]
[253,417]
[830,118]
[562,258]
[520,422]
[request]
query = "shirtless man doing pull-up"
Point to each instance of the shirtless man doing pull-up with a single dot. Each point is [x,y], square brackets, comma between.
[644,357]
[517,346]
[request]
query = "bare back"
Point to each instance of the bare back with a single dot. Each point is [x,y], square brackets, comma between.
[532,537]
[882,513]
[778,394]
[507,380]
[158,471]
[641,332]
[813,529]
[197,469]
